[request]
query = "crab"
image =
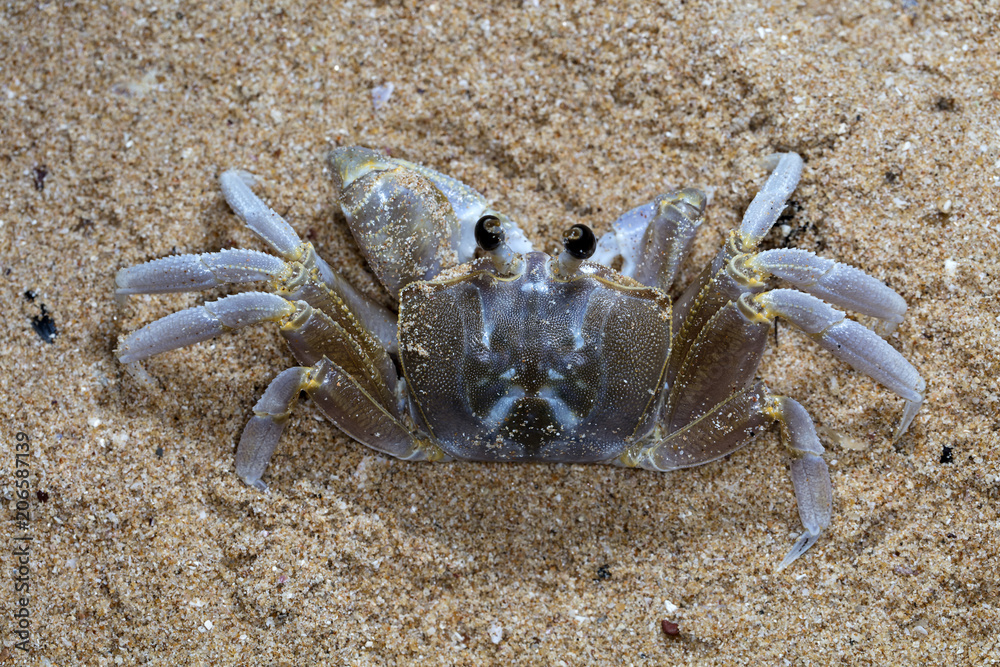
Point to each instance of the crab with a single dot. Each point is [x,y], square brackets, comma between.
[503,353]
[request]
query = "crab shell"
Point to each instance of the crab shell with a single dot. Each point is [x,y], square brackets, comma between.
[528,366]
[531,366]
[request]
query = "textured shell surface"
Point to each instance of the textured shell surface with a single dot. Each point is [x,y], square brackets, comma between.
[530,366]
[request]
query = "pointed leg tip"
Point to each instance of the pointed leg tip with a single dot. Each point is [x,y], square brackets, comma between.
[128,356]
[255,483]
[909,412]
[770,162]
[136,370]
[802,545]
[887,327]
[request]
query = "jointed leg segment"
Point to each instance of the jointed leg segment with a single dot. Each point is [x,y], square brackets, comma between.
[735,423]
[200,323]
[342,400]
[810,475]
[839,284]
[270,414]
[342,338]
[720,326]
[847,340]
[193,273]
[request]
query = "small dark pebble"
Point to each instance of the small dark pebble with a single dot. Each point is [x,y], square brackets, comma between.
[603,572]
[159,452]
[669,628]
[38,174]
[84,225]
[945,104]
[42,496]
[44,326]
[946,456]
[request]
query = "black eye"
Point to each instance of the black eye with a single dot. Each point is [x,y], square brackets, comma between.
[579,241]
[489,233]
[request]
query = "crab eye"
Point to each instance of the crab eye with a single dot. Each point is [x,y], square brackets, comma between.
[489,233]
[579,241]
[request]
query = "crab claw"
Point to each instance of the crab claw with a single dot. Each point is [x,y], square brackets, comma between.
[410,221]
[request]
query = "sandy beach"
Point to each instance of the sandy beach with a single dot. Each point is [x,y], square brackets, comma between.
[144,547]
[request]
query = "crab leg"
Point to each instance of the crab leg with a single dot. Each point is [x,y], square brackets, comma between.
[721,360]
[270,414]
[354,411]
[260,218]
[341,399]
[810,475]
[277,233]
[767,205]
[362,404]
[840,284]
[733,424]
[864,350]
[738,274]
[653,239]
[721,282]
[194,273]
[313,334]
[200,323]
[717,433]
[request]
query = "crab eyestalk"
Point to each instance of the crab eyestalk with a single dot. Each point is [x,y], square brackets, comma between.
[490,236]
[579,243]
